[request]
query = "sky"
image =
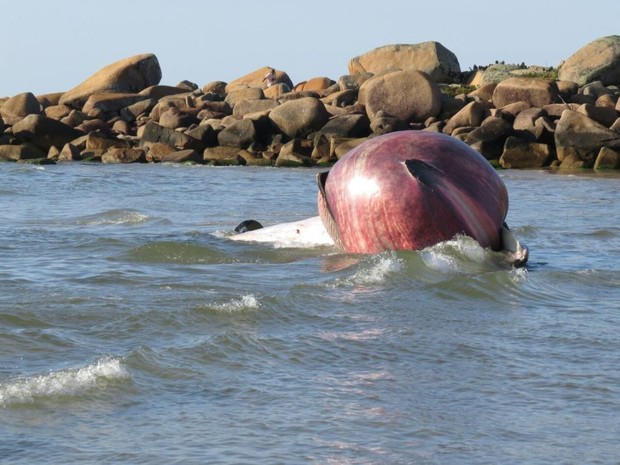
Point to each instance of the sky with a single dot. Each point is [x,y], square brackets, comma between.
[51,46]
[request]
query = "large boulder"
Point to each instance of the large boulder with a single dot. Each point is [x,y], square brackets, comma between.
[257,79]
[356,125]
[489,138]
[298,118]
[536,92]
[21,152]
[597,61]
[153,133]
[240,134]
[580,137]
[19,106]
[520,153]
[407,95]
[472,114]
[111,102]
[130,75]
[124,155]
[430,57]
[44,132]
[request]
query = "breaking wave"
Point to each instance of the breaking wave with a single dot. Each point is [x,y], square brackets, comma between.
[63,383]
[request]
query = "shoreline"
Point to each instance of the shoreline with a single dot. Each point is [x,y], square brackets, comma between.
[517,117]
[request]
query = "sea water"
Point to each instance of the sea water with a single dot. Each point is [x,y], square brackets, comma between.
[133,331]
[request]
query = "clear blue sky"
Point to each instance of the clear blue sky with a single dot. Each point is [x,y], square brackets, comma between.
[51,46]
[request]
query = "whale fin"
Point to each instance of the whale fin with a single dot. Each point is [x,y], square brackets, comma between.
[517,252]
[326,214]
[425,173]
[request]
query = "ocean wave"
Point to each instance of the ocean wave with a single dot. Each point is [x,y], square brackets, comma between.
[375,269]
[246,302]
[113,218]
[63,383]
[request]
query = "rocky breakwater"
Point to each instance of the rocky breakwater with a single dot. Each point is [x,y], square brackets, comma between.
[516,116]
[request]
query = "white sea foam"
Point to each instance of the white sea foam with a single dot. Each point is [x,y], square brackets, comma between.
[63,383]
[448,256]
[377,269]
[246,302]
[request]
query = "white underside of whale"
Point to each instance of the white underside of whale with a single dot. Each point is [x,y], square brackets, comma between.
[310,232]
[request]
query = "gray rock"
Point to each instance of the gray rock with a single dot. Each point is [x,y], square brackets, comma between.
[597,61]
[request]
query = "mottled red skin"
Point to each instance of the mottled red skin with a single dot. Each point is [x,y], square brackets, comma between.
[377,203]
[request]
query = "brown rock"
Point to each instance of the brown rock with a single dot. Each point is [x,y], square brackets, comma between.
[513,109]
[341,98]
[294,153]
[57,111]
[48,100]
[246,107]
[597,61]
[567,89]
[20,106]
[182,156]
[257,79]
[525,124]
[69,153]
[157,151]
[111,103]
[298,118]
[536,92]
[277,90]
[124,155]
[484,92]
[240,134]
[44,132]
[472,114]
[74,119]
[20,152]
[607,101]
[317,83]
[223,155]
[175,118]
[95,124]
[489,138]
[431,58]
[607,159]
[122,127]
[132,75]
[153,132]
[581,137]
[520,153]
[245,93]
[215,87]
[555,110]
[604,115]
[98,141]
[347,126]
[407,95]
